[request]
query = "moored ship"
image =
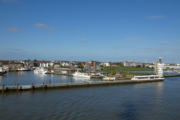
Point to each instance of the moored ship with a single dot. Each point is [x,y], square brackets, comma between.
[41,70]
[2,72]
[108,78]
[79,74]
[148,77]
[22,69]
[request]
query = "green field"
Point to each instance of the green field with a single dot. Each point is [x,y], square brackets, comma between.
[133,73]
[112,70]
[118,68]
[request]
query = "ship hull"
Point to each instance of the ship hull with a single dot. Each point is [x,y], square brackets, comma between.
[3,73]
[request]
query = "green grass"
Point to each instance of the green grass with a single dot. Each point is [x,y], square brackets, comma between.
[113,69]
[133,73]
[118,68]
[127,68]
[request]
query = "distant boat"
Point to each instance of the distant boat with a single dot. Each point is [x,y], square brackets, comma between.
[2,72]
[23,69]
[108,78]
[147,77]
[41,70]
[79,74]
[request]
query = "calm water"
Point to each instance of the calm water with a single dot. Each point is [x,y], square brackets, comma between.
[156,100]
[27,77]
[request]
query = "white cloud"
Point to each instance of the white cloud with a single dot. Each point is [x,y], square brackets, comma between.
[43,26]
[14,29]
[131,39]
[154,49]
[8,0]
[83,40]
[39,25]
[157,17]
[165,43]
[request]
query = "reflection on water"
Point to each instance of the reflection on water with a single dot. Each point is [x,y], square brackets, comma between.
[80,79]
[159,88]
[20,72]
[0,79]
[41,76]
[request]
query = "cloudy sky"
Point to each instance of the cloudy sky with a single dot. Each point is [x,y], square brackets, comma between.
[103,30]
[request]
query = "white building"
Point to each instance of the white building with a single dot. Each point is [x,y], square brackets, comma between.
[126,64]
[106,64]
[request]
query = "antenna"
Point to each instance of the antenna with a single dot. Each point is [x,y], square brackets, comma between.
[160,59]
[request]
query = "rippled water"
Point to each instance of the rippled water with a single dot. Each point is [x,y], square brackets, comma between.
[27,77]
[156,100]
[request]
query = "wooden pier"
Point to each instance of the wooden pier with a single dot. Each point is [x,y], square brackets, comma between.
[70,85]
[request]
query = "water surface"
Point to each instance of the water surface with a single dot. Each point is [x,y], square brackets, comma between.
[155,100]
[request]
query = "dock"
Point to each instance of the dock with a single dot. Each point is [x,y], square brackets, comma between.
[171,75]
[70,85]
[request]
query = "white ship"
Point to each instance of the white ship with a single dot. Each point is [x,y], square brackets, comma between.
[78,74]
[2,72]
[159,75]
[108,78]
[147,77]
[23,69]
[41,70]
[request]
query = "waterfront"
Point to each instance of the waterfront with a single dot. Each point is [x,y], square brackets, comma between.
[156,100]
[27,77]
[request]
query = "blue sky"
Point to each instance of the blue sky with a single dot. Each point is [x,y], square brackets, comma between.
[81,30]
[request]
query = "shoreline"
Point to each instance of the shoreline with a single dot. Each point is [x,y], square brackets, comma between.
[18,88]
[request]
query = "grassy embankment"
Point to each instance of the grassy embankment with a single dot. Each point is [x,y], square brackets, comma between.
[112,70]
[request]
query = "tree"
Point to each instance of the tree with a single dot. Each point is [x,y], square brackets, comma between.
[35,60]
[81,67]
[143,65]
[138,66]
[121,65]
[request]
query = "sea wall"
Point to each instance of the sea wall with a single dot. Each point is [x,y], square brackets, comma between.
[71,85]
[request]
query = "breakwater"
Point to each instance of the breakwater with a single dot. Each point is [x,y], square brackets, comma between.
[171,75]
[70,85]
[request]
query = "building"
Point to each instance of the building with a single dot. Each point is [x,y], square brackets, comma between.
[57,65]
[15,65]
[132,64]
[139,64]
[106,64]
[126,64]
[93,65]
[158,68]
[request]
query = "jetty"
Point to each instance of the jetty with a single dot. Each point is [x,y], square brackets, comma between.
[171,75]
[70,85]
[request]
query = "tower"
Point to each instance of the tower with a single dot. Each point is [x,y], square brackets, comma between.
[94,65]
[158,67]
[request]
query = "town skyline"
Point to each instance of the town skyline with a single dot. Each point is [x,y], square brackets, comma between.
[84,30]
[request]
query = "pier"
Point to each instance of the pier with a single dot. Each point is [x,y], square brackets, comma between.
[70,85]
[171,75]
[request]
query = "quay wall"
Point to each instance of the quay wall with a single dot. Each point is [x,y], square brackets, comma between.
[70,85]
[171,75]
